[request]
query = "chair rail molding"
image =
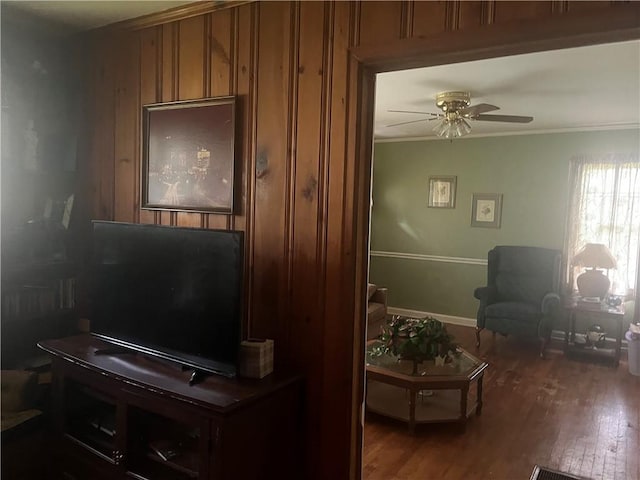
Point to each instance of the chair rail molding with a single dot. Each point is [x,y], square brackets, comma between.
[429,258]
[451,319]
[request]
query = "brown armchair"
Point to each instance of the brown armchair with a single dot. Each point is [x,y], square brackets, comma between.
[376,310]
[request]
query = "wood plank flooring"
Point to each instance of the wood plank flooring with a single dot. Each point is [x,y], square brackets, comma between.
[567,414]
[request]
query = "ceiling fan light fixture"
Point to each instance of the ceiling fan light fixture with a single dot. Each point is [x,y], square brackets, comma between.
[452,127]
[462,127]
[456,109]
[441,128]
[452,101]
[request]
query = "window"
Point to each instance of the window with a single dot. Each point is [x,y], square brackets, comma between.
[605,208]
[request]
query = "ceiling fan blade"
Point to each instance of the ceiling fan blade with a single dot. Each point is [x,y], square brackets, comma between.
[409,111]
[474,110]
[412,121]
[503,118]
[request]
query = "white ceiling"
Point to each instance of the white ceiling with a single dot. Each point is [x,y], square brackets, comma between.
[84,15]
[586,88]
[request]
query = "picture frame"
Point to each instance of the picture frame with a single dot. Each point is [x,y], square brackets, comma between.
[486,210]
[442,191]
[188,155]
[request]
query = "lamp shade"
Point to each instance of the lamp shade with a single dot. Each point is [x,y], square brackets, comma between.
[594,283]
[594,255]
[453,125]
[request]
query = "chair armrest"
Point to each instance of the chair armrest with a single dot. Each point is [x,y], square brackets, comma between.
[487,296]
[485,293]
[550,303]
[380,296]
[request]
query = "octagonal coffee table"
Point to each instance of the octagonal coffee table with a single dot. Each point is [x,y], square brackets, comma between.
[429,394]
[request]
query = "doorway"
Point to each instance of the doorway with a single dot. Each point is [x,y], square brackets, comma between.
[374,63]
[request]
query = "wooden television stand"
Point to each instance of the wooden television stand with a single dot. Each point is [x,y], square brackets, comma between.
[131,416]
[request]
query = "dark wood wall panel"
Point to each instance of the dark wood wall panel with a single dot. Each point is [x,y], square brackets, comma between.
[575,6]
[301,186]
[191,82]
[222,52]
[505,11]
[380,21]
[150,85]
[102,100]
[191,56]
[308,115]
[271,248]
[169,86]
[221,75]
[126,203]
[245,21]
[429,18]
[472,14]
[337,335]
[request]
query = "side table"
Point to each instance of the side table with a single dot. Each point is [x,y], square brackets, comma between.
[609,317]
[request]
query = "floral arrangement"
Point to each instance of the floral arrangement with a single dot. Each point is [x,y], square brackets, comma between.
[417,339]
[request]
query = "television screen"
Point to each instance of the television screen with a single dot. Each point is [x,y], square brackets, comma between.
[173,292]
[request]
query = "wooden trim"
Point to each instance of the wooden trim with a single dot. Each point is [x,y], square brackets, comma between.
[516,37]
[137,125]
[206,65]
[233,90]
[159,45]
[173,14]
[292,140]
[559,7]
[619,23]
[365,90]
[325,150]
[452,16]
[406,19]
[488,12]
[251,114]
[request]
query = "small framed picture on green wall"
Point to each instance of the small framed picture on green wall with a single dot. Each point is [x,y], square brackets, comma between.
[442,192]
[486,210]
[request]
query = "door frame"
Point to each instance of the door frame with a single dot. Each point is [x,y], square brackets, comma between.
[618,23]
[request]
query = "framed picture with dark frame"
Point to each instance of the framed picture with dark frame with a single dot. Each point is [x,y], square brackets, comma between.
[486,210]
[188,155]
[442,192]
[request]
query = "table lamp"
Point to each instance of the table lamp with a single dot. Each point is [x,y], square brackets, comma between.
[594,283]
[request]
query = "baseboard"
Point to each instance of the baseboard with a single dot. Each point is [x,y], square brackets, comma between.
[453,320]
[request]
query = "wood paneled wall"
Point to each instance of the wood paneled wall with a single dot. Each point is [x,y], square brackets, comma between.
[302,187]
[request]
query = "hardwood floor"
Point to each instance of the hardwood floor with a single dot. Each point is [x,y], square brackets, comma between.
[567,414]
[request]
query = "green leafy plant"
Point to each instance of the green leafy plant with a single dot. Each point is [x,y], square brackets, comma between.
[417,339]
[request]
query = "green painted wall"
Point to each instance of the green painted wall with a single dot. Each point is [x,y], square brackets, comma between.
[531,171]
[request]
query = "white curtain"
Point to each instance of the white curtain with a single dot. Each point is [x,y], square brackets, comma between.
[605,208]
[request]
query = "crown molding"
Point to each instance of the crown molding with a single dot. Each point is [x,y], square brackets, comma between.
[628,126]
[173,14]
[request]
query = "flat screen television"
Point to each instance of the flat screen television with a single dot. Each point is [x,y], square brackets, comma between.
[171,292]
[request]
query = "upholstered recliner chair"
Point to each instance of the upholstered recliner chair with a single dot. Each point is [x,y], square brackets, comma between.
[522,296]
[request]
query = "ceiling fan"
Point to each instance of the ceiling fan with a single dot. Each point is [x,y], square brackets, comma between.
[456,111]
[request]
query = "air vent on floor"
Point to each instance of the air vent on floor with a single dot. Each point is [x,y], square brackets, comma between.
[543,473]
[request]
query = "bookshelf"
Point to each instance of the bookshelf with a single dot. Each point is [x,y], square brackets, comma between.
[38,302]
